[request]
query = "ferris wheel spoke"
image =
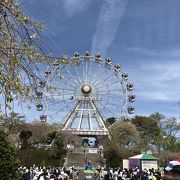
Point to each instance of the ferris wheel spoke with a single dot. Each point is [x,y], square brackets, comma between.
[107,96]
[53,106]
[89,72]
[70,80]
[67,93]
[110,104]
[61,93]
[111,84]
[59,102]
[73,78]
[73,72]
[50,99]
[77,73]
[60,110]
[113,90]
[69,83]
[66,88]
[104,80]
[59,97]
[54,74]
[84,71]
[95,79]
[106,108]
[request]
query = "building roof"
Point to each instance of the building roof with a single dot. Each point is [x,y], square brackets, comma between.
[143,156]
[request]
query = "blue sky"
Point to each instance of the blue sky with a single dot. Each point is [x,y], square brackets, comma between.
[141,35]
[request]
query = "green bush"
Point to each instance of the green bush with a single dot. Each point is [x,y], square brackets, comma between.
[39,157]
[8,160]
[112,157]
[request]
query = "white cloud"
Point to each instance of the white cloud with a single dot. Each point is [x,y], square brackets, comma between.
[74,6]
[107,25]
[158,79]
[170,53]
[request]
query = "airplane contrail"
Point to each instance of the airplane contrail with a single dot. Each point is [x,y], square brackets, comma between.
[107,25]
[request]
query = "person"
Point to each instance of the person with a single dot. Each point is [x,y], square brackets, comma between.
[88,166]
[97,174]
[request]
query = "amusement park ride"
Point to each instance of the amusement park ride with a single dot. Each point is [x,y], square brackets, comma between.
[89,89]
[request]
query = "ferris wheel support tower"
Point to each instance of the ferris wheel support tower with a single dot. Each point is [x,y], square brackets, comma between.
[86,115]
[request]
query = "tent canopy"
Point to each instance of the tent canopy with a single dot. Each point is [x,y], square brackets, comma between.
[143,156]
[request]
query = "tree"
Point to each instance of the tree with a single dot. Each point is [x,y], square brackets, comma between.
[124,134]
[148,128]
[22,52]
[70,138]
[24,137]
[124,137]
[14,123]
[58,149]
[113,157]
[170,127]
[8,160]
[40,131]
[51,136]
[157,132]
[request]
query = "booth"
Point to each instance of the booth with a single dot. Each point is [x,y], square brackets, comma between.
[143,161]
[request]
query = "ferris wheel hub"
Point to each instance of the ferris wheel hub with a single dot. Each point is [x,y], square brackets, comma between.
[86,89]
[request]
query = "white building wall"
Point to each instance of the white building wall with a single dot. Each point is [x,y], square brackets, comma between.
[125,163]
[147,164]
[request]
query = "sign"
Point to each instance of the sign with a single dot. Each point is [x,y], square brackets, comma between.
[93,150]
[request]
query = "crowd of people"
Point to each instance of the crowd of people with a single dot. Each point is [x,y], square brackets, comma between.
[47,173]
[50,173]
[128,174]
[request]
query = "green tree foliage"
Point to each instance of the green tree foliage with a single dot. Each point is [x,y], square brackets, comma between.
[124,134]
[24,137]
[148,128]
[51,137]
[124,137]
[170,127]
[157,132]
[112,157]
[8,161]
[142,133]
[58,150]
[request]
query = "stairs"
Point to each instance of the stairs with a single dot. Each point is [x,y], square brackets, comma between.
[76,159]
[94,158]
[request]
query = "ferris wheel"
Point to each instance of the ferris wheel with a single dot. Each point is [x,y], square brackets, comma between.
[87,83]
